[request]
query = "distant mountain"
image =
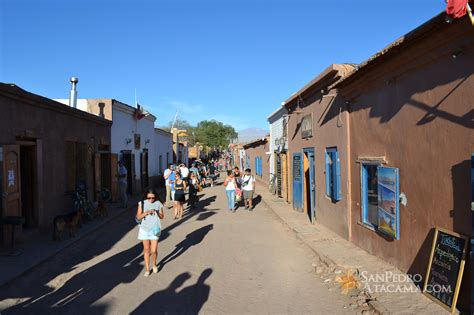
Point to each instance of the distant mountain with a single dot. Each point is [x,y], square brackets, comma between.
[249,134]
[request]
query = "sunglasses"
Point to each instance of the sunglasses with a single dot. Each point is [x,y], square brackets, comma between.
[150,198]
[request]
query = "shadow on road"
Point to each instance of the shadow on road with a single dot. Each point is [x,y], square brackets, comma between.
[44,289]
[256,200]
[78,294]
[191,239]
[189,300]
[35,283]
[188,215]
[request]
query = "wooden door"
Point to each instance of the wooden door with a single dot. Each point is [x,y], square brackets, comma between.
[113,176]
[11,180]
[11,186]
[284,175]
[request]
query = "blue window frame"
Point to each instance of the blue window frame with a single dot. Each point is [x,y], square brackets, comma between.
[369,198]
[333,174]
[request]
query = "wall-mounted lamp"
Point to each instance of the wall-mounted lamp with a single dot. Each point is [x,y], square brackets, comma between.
[298,109]
[128,140]
[147,141]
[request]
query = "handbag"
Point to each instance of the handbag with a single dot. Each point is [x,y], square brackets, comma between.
[199,188]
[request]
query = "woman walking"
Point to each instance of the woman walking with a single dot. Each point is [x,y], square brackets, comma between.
[149,214]
[230,187]
[193,188]
[179,197]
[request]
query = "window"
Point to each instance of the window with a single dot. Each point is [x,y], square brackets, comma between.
[333,174]
[369,178]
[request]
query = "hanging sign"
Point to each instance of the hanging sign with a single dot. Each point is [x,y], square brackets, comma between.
[445,268]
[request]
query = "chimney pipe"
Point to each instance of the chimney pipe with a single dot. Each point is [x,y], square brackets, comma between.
[73,93]
[101,110]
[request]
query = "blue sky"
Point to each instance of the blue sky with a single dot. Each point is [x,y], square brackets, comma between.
[234,61]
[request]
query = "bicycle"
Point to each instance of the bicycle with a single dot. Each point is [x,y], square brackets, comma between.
[105,194]
[272,185]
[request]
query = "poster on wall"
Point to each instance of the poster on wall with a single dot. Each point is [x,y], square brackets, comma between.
[388,202]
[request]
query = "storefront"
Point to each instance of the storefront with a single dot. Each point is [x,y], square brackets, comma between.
[410,143]
[278,163]
[317,146]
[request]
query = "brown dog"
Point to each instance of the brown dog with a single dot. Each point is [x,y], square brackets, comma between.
[69,221]
[101,210]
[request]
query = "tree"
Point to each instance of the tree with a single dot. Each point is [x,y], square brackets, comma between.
[214,133]
[179,123]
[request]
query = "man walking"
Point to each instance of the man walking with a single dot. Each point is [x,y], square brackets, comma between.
[248,187]
[122,179]
[167,175]
[184,172]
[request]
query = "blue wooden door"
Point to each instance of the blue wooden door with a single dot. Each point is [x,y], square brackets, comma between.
[312,187]
[297,182]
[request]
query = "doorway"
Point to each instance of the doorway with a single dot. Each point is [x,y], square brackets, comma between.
[28,179]
[144,169]
[128,159]
[309,184]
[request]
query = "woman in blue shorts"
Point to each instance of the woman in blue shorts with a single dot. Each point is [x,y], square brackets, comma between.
[150,206]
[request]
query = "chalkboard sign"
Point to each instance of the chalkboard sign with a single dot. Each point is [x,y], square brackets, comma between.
[297,167]
[445,269]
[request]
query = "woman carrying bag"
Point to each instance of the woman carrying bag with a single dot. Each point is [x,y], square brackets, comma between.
[230,186]
[149,216]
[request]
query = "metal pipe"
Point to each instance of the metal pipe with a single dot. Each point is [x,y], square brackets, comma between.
[73,93]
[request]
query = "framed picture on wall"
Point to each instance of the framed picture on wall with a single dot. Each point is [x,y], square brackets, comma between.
[137,141]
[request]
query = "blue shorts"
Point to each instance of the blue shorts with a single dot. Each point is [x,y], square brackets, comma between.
[144,235]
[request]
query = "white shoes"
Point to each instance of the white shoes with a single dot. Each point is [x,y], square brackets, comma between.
[146,274]
[155,269]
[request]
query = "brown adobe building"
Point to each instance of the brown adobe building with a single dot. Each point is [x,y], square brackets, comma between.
[256,158]
[411,110]
[47,149]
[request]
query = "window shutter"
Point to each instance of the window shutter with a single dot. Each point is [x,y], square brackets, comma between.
[337,177]
[328,173]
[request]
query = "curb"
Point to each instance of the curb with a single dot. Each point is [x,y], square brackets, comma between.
[67,244]
[376,307]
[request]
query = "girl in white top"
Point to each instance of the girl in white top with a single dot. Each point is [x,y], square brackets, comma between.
[230,186]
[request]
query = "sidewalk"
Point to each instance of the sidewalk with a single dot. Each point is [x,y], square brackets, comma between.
[36,248]
[337,256]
